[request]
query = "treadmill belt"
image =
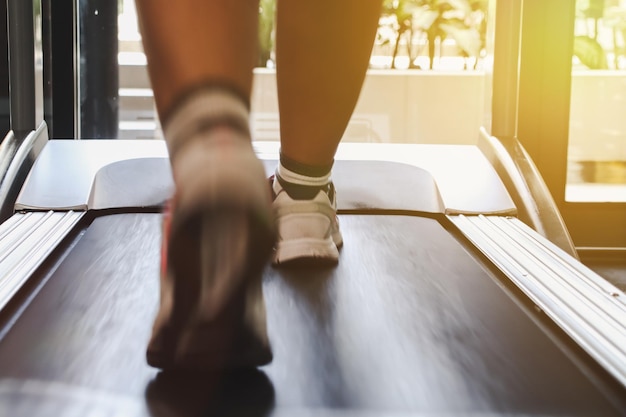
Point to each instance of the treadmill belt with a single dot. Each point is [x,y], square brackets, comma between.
[409,322]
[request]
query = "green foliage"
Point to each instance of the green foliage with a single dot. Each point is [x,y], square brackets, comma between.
[267,13]
[433,19]
[593,9]
[438,20]
[607,16]
[590,52]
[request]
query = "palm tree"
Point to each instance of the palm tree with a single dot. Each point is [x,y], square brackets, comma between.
[438,20]
[403,11]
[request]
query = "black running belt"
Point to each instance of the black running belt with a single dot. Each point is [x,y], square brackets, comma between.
[411,321]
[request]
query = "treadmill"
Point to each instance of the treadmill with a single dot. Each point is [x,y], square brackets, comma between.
[443,302]
[457,293]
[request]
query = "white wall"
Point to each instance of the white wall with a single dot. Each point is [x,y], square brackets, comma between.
[598,116]
[394,106]
[447,107]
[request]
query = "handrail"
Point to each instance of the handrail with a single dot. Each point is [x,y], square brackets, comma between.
[529,192]
[17,157]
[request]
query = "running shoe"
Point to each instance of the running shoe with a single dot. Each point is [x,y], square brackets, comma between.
[307,222]
[218,234]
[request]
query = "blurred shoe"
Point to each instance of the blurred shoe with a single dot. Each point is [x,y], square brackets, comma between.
[218,233]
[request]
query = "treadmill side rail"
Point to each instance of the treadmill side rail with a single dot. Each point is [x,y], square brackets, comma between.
[588,308]
[17,157]
[26,240]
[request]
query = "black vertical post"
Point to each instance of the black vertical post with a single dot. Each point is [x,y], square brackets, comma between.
[46,38]
[21,66]
[5,121]
[59,69]
[99,79]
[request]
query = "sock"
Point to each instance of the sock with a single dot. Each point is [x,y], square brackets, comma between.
[301,181]
[202,110]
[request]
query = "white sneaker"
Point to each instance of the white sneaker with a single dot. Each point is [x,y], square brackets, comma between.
[308,228]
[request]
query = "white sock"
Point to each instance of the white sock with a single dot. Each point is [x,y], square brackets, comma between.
[199,112]
[300,179]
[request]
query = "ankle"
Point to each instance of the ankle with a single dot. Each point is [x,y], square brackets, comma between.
[300,181]
[295,172]
[209,114]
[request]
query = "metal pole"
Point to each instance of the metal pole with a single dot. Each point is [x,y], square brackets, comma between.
[21,66]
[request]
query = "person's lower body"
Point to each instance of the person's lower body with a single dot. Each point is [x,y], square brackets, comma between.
[319,77]
[225,222]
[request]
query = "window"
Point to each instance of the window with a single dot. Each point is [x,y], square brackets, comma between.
[597,133]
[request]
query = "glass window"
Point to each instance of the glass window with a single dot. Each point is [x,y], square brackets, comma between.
[414,85]
[137,117]
[597,141]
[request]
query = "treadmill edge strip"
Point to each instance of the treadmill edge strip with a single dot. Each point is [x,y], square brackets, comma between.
[26,240]
[589,309]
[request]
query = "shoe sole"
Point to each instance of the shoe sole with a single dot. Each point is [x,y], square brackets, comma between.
[218,313]
[306,251]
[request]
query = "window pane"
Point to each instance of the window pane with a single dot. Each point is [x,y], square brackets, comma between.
[597,142]
[408,103]
[138,118]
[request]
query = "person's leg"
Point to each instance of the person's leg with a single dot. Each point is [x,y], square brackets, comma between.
[218,229]
[322,49]
[193,42]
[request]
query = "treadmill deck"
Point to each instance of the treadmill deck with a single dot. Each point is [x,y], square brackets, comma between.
[410,321]
[415,320]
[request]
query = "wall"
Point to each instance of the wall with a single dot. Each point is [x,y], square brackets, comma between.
[598,116]
[395,106]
